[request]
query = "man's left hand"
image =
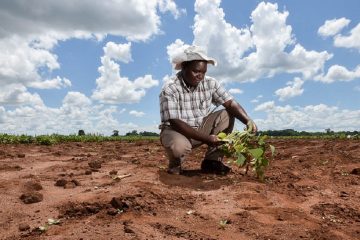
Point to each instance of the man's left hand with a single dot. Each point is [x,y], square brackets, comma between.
[251,126]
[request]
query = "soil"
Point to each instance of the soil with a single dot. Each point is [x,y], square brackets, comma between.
[121,190]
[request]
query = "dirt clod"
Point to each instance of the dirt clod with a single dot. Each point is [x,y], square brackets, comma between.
[31,197]
[95,164]
[355,171]
[24,227]
[61,182]
[33,186]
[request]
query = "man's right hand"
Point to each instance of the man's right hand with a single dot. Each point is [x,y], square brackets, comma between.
[213,141]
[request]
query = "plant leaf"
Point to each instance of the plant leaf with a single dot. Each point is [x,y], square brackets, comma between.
[272,149]
[52,221]
[256,152]
[43,228]
[240,160]
[222,135]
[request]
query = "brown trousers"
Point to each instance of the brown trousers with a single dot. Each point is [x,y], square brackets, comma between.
[177,146]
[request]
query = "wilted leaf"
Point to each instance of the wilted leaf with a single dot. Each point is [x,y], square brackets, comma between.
[44,228]
[52,221]
[272,150]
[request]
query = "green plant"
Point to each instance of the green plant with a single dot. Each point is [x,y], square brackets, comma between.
[45,140]
[223,223]
[246,149]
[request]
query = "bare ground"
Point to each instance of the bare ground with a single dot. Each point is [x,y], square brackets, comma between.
[120,190]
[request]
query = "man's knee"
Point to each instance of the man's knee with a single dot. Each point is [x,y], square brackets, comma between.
[180,147]
[176,144]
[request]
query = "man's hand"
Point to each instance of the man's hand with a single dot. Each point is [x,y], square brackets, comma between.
[251,126]
[213,140]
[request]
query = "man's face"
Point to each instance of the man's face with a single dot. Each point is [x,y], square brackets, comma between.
[194,72]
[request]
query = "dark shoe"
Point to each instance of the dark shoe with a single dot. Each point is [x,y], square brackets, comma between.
[213,166]
[175,170]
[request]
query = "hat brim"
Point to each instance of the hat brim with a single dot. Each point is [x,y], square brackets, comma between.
[178,66]
[192,53]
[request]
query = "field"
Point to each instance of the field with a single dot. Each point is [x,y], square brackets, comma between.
[120,190]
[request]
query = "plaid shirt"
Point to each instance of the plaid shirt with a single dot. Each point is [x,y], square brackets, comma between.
[177,101]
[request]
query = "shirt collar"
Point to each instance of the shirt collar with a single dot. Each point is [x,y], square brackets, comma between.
[183,83]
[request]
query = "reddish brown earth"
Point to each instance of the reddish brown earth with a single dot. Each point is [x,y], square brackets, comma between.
[311,192]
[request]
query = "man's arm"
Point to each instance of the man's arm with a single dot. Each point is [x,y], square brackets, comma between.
[189,132]
[236,110]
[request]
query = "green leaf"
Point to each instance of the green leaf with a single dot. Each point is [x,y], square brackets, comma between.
[256,152]
[222,135]
[247,148]
[265,162]
[240,159]
[239,148]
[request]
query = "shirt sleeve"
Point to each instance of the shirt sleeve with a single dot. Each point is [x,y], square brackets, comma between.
[220,95]
[169,106]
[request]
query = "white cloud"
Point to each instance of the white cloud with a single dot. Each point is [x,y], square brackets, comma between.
[118,52]
[3,118]
[20,63]
[76,112]
[129,126]
[248,54]
[350,41]
[136,113]
[17,94]
[112,87]
[265,106]
[175,49]
[51,84]
[235,91]
[339,73]
[76,100]
[257,99]
[293,89]
[122,111]
[135,20]
[229,46]
[169,5]
[145,82]
[29,34]
[333,27]
[308,118]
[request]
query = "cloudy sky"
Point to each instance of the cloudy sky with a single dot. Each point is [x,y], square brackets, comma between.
[99,65]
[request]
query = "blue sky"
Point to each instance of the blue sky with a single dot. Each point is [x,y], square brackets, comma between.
[100,65]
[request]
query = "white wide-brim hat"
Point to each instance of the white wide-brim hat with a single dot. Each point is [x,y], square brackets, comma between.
[190,54]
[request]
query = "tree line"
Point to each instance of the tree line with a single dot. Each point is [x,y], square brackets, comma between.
[275,133]
[292,132]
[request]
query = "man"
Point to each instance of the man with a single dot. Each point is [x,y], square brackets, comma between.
[186,119]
